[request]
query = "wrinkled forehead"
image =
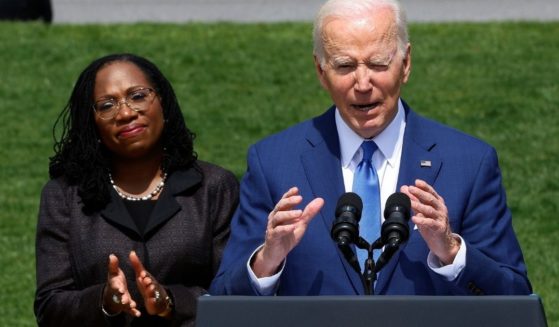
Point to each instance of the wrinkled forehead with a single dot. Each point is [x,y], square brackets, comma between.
[360,36]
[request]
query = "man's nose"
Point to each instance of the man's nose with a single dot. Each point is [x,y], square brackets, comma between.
[363,75]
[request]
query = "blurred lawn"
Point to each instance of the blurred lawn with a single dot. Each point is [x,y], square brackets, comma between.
[240,82]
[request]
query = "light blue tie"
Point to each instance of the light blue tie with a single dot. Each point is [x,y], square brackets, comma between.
[365,183]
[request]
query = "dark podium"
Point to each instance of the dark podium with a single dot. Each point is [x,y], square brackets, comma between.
[393,311]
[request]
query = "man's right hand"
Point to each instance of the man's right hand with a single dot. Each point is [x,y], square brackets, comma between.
[286,227]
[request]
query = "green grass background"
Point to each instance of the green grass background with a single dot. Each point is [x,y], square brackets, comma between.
[240,82]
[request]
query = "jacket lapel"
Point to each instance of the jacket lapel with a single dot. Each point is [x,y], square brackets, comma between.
[323,171]
[116,213]
[419,161]
[166,206]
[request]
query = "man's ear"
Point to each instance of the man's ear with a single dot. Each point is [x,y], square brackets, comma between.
[406,65]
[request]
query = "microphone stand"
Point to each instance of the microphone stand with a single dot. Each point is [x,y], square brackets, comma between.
[367,277]
[350,256]
[389,249]
[370,269]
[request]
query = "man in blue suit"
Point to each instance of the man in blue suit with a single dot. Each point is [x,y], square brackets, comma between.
[461,237]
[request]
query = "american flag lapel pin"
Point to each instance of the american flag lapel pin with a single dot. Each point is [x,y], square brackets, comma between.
[425,163]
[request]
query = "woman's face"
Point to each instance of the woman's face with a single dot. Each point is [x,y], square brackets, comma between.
[130,134]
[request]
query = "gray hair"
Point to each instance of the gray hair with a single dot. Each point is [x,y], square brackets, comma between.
[351,8]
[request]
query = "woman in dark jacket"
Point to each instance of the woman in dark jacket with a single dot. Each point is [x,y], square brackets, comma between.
[131,225]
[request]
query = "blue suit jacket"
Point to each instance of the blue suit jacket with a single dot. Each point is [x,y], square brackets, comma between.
[464,171]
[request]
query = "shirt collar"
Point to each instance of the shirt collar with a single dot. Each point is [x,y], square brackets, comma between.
[388,141]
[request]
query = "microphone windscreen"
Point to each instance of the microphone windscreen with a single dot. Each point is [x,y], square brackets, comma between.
[399,199]
[350,199]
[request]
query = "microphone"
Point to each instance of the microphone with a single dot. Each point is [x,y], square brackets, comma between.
[395,229]
[345,229]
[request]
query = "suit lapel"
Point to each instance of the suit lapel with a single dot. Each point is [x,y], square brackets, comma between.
[419,158]
[322,162]
[419,161]
[166,206]
[323,171]
[116,213]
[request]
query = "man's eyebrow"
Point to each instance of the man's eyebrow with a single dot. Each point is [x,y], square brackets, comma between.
[341,59]
[381,59]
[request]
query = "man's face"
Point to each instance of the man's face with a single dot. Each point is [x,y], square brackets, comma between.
[363,70]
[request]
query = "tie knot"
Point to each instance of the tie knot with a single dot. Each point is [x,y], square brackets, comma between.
[369,147]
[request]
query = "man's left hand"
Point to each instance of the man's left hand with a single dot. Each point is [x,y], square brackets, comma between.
[431,219]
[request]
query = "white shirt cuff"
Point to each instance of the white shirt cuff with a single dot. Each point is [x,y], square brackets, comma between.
[265,285]
[451,271]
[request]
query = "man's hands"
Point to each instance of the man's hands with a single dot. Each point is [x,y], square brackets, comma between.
[286,227]
[117,298]
[431,219]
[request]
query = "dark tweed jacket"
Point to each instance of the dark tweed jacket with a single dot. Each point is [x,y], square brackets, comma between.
[181,246]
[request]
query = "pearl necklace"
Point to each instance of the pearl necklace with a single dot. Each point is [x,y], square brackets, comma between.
[128,197]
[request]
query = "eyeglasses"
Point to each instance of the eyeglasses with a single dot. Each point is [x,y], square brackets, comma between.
[138,100]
